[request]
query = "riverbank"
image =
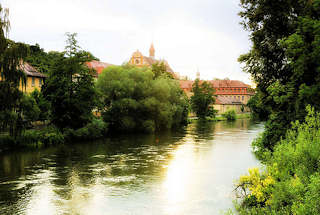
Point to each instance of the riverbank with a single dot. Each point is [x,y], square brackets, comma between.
[51,135]
[222,118]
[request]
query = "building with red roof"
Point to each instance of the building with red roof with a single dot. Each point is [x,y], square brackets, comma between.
[98,66]
[230,94]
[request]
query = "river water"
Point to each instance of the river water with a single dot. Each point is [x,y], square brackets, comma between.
[178,173]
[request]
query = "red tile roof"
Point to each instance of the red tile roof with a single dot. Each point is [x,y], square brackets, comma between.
[186,84]
[229,87]
[98,66]
[228,83]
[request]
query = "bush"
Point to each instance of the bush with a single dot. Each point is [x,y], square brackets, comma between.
[47,136]
[291,182]
[51,136]
[6,140]
[230,115]
[93,130]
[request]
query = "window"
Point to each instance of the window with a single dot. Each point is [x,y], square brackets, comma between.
[242,98]
[33,81]
[40,82]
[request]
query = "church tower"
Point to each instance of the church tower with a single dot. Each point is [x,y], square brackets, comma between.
[198,74]
[151,51]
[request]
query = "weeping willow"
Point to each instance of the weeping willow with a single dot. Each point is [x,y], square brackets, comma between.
[12,77]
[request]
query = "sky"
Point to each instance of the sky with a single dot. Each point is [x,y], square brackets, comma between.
[192,35]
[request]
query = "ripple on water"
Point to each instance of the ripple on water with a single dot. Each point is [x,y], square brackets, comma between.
[99,156]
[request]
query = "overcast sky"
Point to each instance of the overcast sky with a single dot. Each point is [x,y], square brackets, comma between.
[191,35]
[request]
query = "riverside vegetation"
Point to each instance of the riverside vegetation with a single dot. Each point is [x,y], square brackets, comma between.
[129,99]
[285,63]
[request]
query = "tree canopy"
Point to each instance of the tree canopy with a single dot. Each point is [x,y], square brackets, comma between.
[12,57]
[202,99]
[70,88]
[284,61]
[135,100]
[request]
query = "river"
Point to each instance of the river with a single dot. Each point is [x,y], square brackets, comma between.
[177,173]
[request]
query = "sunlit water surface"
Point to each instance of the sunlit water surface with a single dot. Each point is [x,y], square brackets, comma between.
[178,173]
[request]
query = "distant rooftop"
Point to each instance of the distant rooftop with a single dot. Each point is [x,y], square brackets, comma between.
[31,71]
[98,66]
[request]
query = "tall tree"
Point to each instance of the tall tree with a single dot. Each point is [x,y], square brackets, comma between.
[284,61]
[12,56]
[70,88]
[134,100]
[202,99]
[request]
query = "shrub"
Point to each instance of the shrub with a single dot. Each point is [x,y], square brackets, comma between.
[6,140]
[93,130]
[290,184]
[230,115]
[47,136]
[51,136]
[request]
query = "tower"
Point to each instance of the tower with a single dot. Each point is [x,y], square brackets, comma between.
[151,51]
[198,74]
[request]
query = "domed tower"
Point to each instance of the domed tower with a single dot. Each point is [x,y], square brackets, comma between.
[151,51]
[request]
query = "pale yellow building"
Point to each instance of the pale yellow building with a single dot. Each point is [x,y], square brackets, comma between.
[139,60]
[35,79]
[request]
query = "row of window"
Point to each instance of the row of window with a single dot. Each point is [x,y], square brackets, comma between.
[231,90]
[235,97]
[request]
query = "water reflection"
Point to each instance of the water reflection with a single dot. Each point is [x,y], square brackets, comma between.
[189,172]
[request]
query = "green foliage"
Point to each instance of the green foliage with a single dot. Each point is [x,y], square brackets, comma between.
[42,103]
[93,130]
[160,69]
[34,138]
[42,60]
[284,62]
[230,115]
[29,108]
[293,171]
[11,75]
[257,106]
[70,89]
[202,99]
[135,100]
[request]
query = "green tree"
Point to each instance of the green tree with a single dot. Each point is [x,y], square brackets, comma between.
[160,69]
[40,59]
[283,60]
[29,109]
[42,103]
[202,99]
[12,56]
[70,88]
[134,100]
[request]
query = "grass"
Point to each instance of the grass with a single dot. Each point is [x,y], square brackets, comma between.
[221,118]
